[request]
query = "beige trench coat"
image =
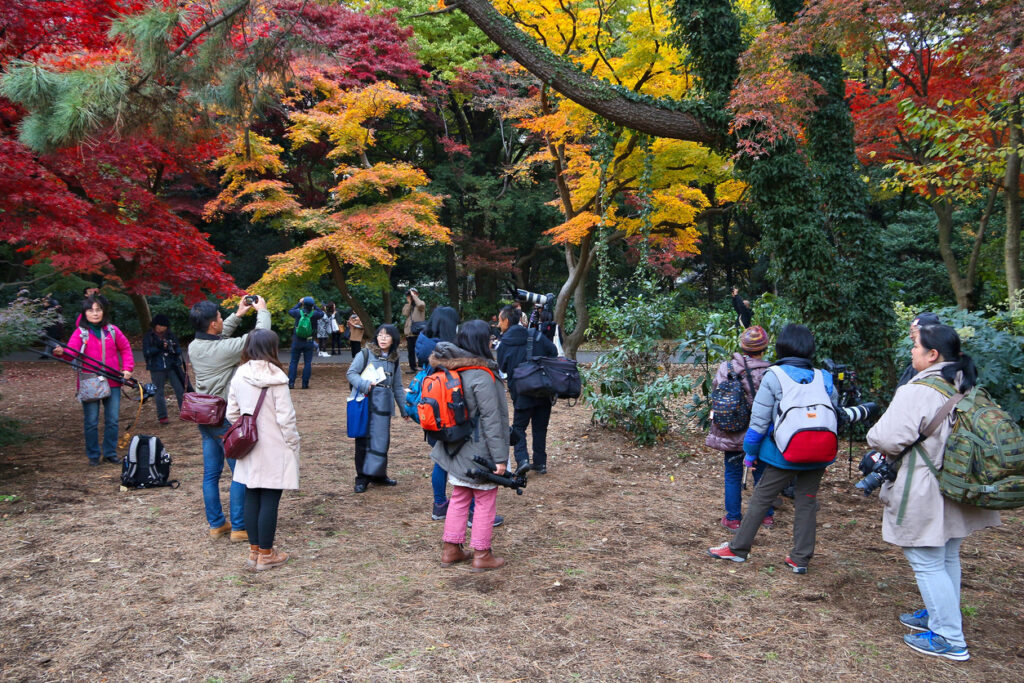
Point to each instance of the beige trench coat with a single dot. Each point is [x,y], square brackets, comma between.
[274,462]
[929,519]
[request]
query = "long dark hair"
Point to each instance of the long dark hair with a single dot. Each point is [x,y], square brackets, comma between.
[946,341]
[443,324]
[261,345]
[475,337]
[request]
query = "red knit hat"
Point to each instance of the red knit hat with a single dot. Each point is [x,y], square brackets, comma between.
[754,339]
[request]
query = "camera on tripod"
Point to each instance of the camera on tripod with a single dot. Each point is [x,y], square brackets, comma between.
[546,301]
[852,410]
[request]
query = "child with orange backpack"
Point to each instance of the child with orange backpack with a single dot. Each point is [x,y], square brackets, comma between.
[468,368]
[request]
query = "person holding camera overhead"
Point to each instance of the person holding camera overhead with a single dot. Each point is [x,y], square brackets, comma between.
[415,313]
[306,315]
[928,526]
[163,360]
[215,355]
[794,350]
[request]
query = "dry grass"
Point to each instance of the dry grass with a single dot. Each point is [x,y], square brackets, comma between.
[607,577]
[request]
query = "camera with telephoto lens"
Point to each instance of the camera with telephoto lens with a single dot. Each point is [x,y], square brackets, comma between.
[546,301]
[876,469]
[857,413]
[251,299]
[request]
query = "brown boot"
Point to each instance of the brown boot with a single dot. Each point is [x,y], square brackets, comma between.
[452,553]
[239,536]
[222,530]
[268,559]
[484,560]
[254,554]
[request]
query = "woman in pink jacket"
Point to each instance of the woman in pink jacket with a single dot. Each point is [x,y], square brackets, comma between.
[97,339]
[273,463]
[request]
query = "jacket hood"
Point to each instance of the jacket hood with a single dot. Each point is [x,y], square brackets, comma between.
[752,363]
[448,355]
[515,335]
[261,373]
[392,354]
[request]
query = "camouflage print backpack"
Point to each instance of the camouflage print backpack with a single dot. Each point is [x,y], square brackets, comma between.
[983,462]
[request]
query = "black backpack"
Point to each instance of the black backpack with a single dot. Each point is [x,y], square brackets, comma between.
[730,409]
[147,464]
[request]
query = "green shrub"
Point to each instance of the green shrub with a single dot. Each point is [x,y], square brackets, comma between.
[630,386]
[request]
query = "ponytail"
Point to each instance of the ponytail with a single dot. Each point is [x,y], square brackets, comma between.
[946,341]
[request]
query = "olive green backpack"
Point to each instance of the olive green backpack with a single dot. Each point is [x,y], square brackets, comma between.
[983,462]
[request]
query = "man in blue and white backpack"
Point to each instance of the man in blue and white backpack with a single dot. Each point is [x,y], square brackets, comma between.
[796,405]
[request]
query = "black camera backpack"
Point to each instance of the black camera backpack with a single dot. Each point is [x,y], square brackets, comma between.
[147,464]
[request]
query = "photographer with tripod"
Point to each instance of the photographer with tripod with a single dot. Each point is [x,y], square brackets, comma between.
[96,343]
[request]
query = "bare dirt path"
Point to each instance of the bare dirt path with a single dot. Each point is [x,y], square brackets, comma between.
[607,577]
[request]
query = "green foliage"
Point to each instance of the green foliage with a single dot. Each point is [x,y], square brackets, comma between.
[630,386]
[22,322]
[995,341]
[445,43]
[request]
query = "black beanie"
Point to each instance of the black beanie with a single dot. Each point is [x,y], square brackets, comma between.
[161,319]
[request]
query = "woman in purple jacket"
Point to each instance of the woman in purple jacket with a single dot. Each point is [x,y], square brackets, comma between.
[748,363]
[97,339]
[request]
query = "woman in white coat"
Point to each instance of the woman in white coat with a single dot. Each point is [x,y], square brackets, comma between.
[928,526]
[273,463]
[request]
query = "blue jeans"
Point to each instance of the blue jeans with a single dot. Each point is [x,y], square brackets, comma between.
[213,465]
[439,481]
[734,485]
[937,571]
[111,413]
[306,348]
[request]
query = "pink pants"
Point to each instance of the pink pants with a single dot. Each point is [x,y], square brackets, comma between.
[483,516]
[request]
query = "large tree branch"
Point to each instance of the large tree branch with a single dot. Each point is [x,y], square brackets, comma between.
[598,96]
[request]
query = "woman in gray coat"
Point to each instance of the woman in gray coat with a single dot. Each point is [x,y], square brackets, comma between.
[488,409]
[372,450]
[928,526]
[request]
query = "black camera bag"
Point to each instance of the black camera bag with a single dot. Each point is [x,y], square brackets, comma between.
[544,376]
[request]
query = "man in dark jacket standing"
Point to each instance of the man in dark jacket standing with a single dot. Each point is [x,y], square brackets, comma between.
[512,351]
[303,343]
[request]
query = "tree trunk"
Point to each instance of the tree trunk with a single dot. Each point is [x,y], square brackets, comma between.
[963,286]
[451,273]
[389,316]
[597,96]
[141,310]
[340,278]
[1011,196]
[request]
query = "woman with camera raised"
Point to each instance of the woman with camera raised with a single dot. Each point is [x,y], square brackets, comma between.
[928,526]
[163,360]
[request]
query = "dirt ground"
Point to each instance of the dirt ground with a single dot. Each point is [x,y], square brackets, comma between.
[607,576]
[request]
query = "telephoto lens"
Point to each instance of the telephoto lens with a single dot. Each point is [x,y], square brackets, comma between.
[858,413]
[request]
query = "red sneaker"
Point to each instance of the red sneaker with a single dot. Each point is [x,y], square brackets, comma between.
[163,420]
[768,522]
[722,552]
[797,569]
[731,524]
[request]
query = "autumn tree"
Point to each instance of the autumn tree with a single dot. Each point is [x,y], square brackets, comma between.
[98,208]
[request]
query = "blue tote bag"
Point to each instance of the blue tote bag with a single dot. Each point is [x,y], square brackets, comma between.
[358,416]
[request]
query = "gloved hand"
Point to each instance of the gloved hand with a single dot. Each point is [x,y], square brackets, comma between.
[749,460]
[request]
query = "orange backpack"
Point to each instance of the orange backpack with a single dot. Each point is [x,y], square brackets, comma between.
[442,406]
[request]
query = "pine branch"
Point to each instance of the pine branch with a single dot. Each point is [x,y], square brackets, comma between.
[198,33]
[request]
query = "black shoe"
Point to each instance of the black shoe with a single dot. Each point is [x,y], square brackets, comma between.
[112,458]
[384,481]
[539,469]
[305,386]
[291,386]
[360,487]
[94,463]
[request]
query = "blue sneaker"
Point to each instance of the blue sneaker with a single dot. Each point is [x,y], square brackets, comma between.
[929,643]
[916,620]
